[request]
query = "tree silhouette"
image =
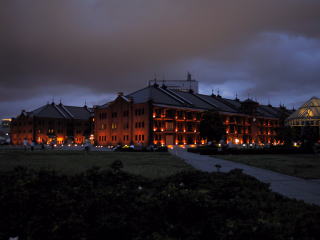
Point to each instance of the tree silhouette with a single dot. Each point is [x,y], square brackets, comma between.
[212,127]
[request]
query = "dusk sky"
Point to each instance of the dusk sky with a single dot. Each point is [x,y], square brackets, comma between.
[88,50]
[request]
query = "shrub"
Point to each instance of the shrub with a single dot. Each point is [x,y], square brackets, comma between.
[189,205]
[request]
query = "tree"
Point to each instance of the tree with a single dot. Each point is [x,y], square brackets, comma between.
[212,127]
[309,136]
[287,135]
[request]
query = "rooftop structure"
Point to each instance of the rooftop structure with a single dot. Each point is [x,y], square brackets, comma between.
[181,85]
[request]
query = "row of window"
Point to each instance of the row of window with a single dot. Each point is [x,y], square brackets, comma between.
[139,111]
[102,138]
[102,116]
[139,137]
[139,125]
[125,138]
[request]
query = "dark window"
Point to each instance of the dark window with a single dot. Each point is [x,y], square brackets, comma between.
[126,113]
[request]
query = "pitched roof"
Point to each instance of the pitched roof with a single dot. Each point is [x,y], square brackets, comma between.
[61,111]
[168,97]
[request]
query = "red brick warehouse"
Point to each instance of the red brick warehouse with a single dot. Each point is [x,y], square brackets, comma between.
[169,114]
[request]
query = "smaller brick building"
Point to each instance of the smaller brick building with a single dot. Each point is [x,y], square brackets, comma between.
[53,123]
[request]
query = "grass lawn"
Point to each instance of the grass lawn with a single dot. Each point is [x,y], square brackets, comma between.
[300,165]
[152,164]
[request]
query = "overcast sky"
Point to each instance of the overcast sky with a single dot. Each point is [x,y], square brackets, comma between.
[88,50]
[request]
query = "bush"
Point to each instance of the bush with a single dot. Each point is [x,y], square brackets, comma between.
[189,205]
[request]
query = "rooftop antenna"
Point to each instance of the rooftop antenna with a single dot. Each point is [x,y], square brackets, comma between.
[218,92]
[269,100]
[85,102]
[60,101]
[52,99]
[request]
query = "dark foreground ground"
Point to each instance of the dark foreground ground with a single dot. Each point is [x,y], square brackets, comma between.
[117,205]
[152,164]
[299,165]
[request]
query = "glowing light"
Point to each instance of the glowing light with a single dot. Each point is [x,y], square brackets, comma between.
[237,141]
[162,129]
[195,131]
[250,145]
[219,145]
[244,145]
[154,129]
[176,130]
[184,130]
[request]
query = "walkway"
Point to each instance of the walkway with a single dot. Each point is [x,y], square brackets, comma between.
[293,187]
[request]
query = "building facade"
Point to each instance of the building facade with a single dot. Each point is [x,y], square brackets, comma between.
[163,116]
[55,123]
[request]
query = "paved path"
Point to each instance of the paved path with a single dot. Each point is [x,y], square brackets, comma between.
[293,187]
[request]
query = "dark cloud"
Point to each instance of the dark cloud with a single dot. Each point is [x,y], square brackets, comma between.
[112,45]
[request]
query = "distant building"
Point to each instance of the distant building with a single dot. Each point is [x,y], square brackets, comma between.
[180,85]
[5,122]
[5,131]
[307,115]
[161,115]
[53,123]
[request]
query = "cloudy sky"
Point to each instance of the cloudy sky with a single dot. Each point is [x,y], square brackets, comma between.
[88,50]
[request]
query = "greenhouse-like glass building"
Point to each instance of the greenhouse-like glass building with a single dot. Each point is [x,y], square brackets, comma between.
[307,115]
